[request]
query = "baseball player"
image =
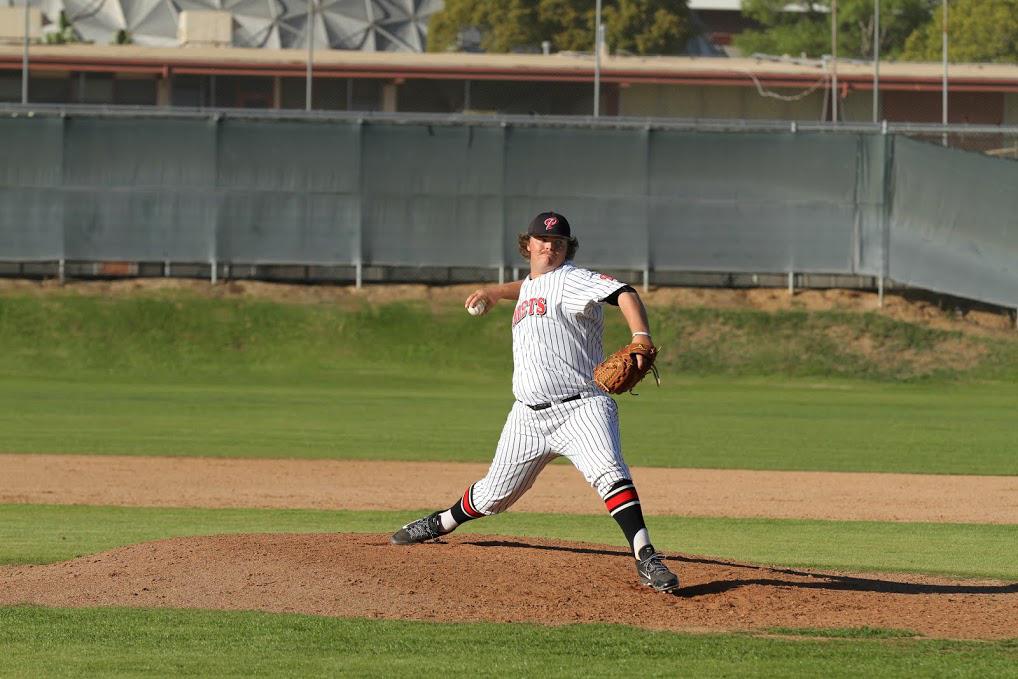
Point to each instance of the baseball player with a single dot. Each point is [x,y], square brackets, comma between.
[557,327]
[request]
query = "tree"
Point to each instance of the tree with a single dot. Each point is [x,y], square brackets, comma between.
[809,31]
[978,31]
[636,26]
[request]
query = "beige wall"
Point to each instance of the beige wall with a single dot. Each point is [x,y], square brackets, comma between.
[12,24]
[1011,108]
[715,102]
[857,107]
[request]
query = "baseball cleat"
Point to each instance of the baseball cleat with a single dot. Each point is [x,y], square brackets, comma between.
[421,530]
[653,572]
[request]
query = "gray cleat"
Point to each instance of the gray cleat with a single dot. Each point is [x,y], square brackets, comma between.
[421,530]
[653,572]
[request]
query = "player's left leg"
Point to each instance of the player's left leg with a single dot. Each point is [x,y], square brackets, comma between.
[590,439]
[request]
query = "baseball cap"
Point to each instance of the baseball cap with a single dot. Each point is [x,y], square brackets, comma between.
[549,224]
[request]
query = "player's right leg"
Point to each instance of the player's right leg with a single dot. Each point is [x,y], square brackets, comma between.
[592,442]
[521,454]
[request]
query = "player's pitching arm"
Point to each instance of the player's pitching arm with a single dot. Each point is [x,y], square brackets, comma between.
[486,298]
[635,313]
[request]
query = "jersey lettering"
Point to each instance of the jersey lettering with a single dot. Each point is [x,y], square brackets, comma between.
[535,306]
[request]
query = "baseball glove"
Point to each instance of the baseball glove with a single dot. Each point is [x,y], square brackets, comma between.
[619,373]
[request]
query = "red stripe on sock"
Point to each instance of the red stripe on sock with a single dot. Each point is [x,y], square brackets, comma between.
[467,508]
[628,495]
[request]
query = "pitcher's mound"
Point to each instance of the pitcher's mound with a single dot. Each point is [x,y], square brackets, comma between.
[489,578]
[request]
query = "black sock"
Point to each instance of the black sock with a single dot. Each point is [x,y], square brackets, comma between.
[463,510]
[624,505]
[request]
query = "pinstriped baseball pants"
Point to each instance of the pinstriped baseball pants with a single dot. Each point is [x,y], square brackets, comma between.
[585,431]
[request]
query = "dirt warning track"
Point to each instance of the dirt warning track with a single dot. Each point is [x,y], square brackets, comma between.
[379,485]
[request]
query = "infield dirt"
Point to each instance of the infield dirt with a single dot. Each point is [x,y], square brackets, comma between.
[560,489]
[489,578]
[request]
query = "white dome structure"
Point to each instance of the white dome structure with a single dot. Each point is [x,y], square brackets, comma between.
[367,25]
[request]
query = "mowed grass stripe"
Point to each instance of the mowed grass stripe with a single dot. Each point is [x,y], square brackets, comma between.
[172,373]
[689,422]
[50,533]
[132,642]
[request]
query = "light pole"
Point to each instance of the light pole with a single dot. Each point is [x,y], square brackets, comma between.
[597,59]
[311,54]
[943,46]
[876,60]
[24,61]
[834,61]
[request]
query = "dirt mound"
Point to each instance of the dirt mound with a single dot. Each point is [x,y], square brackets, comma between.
[487,578]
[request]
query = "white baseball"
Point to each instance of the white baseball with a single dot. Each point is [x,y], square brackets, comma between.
[477,309]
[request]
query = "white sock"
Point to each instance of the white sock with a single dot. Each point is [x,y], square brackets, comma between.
[640,540]
[448,523]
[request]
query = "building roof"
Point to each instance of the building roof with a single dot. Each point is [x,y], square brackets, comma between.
[532,67]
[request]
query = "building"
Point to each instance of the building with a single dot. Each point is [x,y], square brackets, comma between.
[555,84]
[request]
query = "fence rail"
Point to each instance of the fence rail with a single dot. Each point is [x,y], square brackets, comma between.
[500,120]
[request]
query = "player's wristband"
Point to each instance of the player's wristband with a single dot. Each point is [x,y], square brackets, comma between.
[645,334]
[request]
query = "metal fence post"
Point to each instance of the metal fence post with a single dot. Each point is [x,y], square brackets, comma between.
[213,244]
[885,214]
[359,236]
[647,132]
[503,220]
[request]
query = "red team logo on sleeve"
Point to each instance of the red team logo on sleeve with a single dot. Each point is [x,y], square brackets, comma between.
[535,306]
[606,277]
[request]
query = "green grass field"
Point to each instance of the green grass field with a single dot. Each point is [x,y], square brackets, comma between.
[49,533]
[174,374]
[103,642]
[179,375]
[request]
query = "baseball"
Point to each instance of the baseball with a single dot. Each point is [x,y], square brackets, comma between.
[477,309]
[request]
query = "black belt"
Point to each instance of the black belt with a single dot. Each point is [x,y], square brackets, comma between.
[545,406]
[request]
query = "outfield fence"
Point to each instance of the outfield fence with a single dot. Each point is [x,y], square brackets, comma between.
[236,188]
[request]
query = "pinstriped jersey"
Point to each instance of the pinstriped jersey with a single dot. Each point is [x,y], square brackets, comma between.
[557,328]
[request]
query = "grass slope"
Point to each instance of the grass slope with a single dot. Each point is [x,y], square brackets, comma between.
[125,642]
[182,375]
[44,534]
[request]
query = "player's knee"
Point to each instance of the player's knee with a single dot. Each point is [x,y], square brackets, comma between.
[489,504]
[611,481]
[495,500]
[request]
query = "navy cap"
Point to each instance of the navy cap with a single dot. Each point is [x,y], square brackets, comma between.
[549,224]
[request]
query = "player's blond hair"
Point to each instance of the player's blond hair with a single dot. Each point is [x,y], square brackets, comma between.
[524,240]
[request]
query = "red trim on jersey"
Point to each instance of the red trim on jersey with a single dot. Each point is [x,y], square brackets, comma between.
[627,495]
[468,508]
